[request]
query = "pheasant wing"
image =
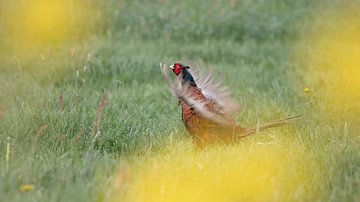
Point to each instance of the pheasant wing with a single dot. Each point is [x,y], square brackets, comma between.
[216,92]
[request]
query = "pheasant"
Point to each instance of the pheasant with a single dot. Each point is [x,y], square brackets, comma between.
[208,111]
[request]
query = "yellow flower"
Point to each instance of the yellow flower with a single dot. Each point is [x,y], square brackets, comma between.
[306,90]
[26,187]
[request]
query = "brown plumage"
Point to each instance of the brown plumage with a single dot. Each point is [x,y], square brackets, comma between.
[208,111]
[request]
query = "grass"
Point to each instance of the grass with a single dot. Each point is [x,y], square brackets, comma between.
[65,144]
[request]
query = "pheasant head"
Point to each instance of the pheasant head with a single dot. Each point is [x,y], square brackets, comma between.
[182,71]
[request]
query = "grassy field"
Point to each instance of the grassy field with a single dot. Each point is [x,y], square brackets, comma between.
[85,114]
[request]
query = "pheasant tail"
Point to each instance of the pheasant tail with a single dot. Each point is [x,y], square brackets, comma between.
[242,132]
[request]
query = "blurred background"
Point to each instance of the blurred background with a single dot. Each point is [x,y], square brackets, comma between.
[85,113]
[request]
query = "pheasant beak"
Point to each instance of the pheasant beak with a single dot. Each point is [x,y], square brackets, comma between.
[171,67]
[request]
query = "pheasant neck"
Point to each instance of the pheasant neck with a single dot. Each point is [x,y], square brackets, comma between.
[188,78]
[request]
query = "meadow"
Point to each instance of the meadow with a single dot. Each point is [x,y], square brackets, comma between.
[85,114]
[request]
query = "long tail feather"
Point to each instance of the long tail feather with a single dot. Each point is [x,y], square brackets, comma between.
[272,124]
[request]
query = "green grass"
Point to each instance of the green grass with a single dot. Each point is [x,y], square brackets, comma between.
[251,44]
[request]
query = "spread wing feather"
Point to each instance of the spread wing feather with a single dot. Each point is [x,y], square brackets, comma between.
[202,106]
[216,92]
[169,82]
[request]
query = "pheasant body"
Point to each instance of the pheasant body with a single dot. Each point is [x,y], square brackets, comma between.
[202,129]
[208,113]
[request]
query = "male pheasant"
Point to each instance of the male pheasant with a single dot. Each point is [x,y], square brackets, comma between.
[208,112]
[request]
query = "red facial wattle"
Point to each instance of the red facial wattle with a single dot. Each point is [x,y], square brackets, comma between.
[177,68]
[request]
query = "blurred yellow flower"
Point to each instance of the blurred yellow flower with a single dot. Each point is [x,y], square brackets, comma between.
[331,47]
[26,187]
[252,173]
[306,90]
